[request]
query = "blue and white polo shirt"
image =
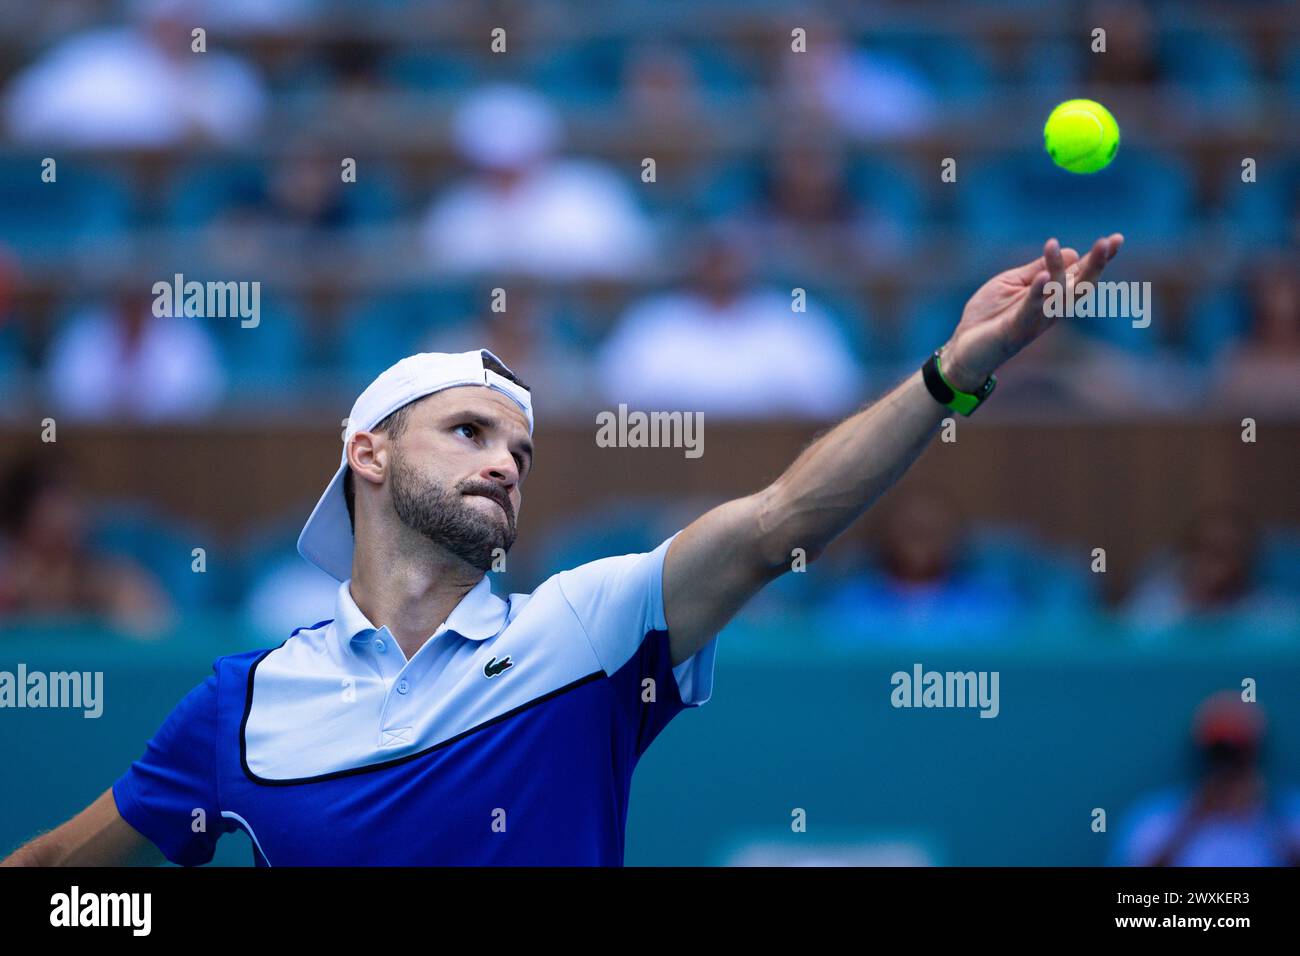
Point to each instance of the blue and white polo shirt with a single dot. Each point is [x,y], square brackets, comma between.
[509,738]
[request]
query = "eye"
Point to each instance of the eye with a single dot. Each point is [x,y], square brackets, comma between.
[471,429]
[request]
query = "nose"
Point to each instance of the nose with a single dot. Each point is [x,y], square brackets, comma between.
[502,470]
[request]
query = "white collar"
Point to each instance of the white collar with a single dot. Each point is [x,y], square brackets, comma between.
[479,615]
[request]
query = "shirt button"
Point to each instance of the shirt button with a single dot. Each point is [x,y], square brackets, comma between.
[380,646]
[403,686]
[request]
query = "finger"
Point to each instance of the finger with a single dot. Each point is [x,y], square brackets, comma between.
[1025,273]
[1102,251]
[1090,266]
[1054,261]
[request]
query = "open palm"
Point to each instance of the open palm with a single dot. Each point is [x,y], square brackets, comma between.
[1007,313]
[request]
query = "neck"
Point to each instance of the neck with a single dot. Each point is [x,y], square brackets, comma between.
[411,592]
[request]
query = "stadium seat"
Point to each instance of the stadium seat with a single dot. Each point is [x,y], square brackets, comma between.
[627,526]
[379,329]
[1279,559]
[1213,69]
[888,189]
[1216,321]
[265,358]
[200,193]
[163,546]
[1053,67]
[1263,211]
[1051,582]
[442,71]
[1290,73]
[81,207]
[926,322]
[1024,198]
[581,74]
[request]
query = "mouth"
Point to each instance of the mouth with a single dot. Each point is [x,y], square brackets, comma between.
[505,510]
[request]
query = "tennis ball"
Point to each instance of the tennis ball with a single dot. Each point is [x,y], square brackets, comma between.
[1081,136]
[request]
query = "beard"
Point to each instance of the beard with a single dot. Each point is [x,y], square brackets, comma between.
[443,516]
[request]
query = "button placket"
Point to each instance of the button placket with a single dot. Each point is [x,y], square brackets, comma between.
[396,720]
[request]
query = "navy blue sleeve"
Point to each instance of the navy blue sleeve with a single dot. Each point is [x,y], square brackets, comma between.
[654,688]
[619,603]
[169,795]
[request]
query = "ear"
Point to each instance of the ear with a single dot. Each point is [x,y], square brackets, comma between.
[368,456]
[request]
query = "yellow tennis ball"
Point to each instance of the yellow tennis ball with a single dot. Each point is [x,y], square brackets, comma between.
[1081,136]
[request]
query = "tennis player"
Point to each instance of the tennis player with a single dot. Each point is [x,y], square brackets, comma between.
[430,721]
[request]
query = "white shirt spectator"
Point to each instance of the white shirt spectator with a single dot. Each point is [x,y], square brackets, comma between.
[751,358]
[172,371]
[117,88]
[561,219]
[290,592]
[866,93]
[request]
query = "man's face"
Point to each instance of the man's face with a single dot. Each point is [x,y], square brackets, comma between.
[456,471]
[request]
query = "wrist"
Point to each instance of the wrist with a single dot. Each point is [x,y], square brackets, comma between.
[954,394]
[957,372]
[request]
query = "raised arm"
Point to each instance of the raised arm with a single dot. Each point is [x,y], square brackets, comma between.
[97,836]
[724,557]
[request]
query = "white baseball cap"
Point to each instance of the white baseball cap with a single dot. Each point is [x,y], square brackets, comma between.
[326,539]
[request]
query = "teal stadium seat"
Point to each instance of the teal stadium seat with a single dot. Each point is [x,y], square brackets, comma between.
[433,71]
[1215,70]
[1053,582]
[267,358]
[1216,321]
[379,329]
[1023,197]
[1266,210]
[163,545]
[1279,559]
[83,207]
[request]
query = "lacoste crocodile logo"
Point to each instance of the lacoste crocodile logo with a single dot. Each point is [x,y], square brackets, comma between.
[494,667]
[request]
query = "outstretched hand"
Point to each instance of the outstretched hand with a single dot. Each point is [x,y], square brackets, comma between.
[1007,313]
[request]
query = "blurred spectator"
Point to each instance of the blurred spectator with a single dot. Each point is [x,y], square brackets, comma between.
[1229,817]
[727,348]
[804,186]
[1214,579]
[1131,57]
[865,93]
[47,568]
[289,594]
[262,17]
[10,334]
[536,339]
[301,191]
[136,86]
[661,88]
[1071,369]
[123,362]
[811,218]
[524,211]
[1262,374]
[914,591]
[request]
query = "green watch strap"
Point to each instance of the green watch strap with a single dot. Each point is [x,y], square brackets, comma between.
[947,394]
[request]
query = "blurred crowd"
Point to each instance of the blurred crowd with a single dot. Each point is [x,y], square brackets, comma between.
[928,576]
[774,172]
